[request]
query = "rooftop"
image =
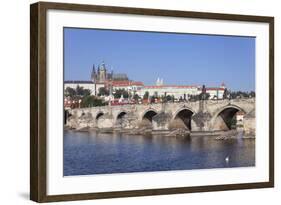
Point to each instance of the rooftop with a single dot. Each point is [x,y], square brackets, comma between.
[127,83]
[78,81]
[169,86]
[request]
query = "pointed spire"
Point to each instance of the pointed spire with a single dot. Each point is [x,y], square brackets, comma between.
[94,69]
[157,81]
[93,74]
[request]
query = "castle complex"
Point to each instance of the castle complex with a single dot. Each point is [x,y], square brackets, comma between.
[102,75]
[103,78]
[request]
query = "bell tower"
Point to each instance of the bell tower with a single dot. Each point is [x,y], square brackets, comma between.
[102,73]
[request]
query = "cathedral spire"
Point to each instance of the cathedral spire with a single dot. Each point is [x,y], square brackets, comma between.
[93,74]
[94,69]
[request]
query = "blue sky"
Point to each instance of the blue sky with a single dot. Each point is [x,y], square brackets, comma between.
[183,59]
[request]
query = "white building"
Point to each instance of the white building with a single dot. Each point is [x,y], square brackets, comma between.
[130,86]
[93,87]
[113,81]
[178,91]
[216,92]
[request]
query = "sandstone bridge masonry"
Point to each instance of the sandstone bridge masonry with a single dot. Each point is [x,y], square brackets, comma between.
[203,116]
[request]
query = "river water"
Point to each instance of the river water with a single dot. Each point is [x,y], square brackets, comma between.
[87,153]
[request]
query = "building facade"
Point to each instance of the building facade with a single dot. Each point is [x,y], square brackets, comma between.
[103,78]
[93,87]
[180,91]
[177,91]
[216,92]
[102,75]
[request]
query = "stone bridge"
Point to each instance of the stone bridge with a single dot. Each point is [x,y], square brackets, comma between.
[195,116]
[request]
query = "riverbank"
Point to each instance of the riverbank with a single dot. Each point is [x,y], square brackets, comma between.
[235,134]
[179,132]
[141,131]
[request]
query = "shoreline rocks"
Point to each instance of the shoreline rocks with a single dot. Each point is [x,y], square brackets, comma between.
[179,132]
[234,134]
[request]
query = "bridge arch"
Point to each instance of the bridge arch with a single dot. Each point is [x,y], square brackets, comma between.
[223,119]
[66,115]
[182,118]
[119,118]
[149,114]
[146,118]
[99,114]
[121,115]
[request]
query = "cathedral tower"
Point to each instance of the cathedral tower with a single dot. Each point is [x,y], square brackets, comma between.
[102,73]
[94,74]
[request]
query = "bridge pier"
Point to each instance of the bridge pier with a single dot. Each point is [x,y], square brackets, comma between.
[106,121]
[161,121]
[213,116]
[127,122]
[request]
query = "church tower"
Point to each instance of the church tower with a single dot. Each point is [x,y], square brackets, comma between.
[102,73]
[94,74]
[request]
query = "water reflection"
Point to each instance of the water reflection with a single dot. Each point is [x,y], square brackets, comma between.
[96,153]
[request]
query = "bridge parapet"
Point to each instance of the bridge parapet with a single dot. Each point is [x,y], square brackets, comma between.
[200,115]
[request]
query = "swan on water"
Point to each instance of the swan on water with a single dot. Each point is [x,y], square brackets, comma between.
[227,159]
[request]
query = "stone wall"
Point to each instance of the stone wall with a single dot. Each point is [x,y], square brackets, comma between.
[204,118]
[249,123]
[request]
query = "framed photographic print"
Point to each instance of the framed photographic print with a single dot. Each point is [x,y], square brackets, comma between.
[134,102]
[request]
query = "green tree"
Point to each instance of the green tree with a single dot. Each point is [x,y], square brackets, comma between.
[146,95]
[79,90]
[92,101]
[77,93]
[119,92]
[70,92]
[136,97]
[225,93]
[152,99]
[125,94]
[252,94]
[86,92]
[103,91]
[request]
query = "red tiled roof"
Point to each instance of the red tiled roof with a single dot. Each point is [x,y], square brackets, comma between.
[126,83]
[214,88]
[137,83]
[170,86]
